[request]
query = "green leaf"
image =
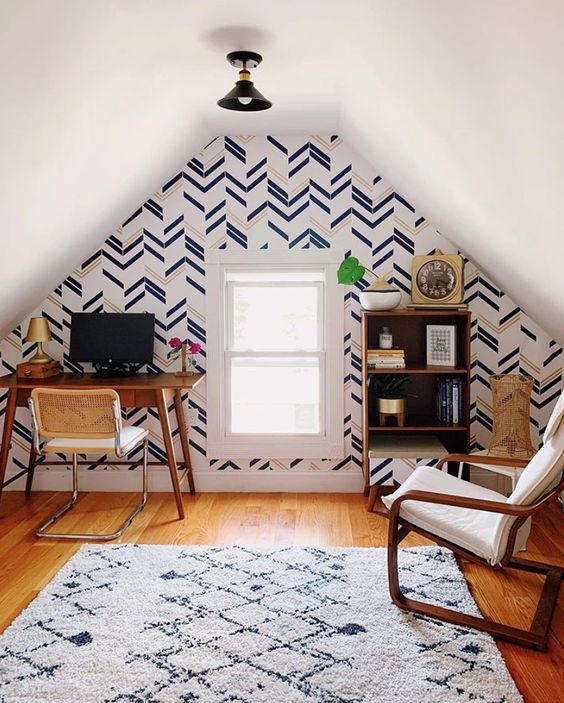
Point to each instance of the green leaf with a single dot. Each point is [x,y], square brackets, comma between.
[350,271]
[391,385]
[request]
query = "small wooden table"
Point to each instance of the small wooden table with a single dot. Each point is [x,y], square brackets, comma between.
[138,391]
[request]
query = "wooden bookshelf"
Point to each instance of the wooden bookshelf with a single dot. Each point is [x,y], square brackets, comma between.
[409,334]
[446,370]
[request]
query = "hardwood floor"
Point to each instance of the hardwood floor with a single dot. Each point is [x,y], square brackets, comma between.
[27,564]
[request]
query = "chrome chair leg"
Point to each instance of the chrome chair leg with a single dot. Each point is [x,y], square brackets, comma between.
[41,532]
[141,504]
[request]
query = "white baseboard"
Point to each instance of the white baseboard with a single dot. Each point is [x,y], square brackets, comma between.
[221,482]
[206,481]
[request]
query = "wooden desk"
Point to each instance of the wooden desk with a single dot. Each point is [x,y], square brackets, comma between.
[139,391]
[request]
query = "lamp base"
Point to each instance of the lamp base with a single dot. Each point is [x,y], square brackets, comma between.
[42,370]
[40,358]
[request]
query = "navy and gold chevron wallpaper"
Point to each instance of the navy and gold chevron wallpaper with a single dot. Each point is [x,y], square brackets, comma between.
[271,193]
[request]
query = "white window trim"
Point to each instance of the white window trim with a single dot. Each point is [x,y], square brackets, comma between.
[220,445]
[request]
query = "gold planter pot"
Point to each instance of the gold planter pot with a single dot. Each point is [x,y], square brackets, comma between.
[395,407]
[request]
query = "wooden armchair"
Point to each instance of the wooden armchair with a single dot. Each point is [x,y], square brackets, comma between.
[482,526]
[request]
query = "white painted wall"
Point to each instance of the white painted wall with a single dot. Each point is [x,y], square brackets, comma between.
[459,103]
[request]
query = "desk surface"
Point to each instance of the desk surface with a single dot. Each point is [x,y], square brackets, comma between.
[140,381]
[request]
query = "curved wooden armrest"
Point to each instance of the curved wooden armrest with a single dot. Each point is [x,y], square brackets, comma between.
[490,506]
[486,460]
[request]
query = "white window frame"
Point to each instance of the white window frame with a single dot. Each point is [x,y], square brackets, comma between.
[329,443]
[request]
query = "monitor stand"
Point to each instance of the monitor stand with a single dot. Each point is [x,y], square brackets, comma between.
[114,369]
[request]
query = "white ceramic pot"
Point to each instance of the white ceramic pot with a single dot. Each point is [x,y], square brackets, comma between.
[382,299]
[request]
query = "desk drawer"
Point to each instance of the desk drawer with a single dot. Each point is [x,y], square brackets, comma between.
[126,397]
[145,398]
[23,395]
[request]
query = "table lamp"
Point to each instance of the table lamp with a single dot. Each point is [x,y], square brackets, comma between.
[38,331]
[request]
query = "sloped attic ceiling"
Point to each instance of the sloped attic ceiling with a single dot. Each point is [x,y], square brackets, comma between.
[456,103]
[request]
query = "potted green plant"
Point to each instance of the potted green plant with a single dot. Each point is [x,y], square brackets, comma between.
[390,395]
[379,295]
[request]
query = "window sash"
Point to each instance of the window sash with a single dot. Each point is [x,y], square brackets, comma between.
[230,312]
[275,275]
[322,418]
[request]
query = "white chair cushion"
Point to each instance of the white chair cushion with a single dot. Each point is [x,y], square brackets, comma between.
[553,426]
[130,437]
[542,473]
[473,530]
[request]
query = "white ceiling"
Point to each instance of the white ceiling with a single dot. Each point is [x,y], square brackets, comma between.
[459,104]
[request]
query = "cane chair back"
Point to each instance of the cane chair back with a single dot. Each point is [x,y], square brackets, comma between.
[80,414]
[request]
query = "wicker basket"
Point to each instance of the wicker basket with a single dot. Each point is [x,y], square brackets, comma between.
[511,434]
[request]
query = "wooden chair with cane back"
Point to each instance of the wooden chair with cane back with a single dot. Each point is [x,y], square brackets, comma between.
[482,526]
[84,422]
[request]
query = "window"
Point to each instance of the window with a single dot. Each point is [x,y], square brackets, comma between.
[275,359]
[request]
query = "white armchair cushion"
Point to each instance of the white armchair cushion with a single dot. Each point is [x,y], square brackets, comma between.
[474,530]
[542,473]
[556,420]
[130,437]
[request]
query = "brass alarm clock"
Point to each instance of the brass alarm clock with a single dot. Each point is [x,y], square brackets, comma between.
[437,279]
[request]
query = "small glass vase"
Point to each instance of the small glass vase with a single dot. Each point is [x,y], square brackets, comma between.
[191,363]
[188,363]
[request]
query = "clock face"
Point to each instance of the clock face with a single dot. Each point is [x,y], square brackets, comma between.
[436,279]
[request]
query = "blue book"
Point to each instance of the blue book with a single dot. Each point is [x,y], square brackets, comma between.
[443,399]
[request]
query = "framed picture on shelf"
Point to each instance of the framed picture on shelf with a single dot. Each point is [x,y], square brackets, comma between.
[441,345]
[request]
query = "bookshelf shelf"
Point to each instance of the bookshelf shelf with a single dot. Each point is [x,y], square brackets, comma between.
[421,426]
[447,370]
[413,424]
[406,446]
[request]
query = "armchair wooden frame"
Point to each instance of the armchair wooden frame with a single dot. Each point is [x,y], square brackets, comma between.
[537,635]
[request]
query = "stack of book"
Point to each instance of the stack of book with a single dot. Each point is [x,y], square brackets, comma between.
[449,400]
[386,359]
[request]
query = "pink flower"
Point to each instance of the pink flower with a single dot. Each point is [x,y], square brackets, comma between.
[175,342]
[194,347]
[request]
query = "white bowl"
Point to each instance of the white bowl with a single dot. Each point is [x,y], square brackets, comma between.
[385,299]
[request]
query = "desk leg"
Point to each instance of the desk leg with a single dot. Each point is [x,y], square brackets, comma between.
[7,434]
[169,447]
[30,469]
[183,432]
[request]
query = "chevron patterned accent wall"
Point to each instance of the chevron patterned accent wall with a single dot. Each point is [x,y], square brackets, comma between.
[272,193]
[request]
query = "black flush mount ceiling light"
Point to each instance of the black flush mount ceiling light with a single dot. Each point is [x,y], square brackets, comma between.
[244,96]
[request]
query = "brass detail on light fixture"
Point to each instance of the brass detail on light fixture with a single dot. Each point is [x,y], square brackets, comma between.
[244,97]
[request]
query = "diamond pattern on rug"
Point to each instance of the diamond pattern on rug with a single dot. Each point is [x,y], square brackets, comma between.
[137,623]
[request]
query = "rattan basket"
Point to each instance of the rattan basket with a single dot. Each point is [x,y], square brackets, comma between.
[511,434]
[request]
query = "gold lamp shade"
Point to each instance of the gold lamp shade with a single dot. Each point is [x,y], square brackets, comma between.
[38,331]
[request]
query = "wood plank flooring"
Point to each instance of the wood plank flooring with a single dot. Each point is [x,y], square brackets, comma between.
[28,564]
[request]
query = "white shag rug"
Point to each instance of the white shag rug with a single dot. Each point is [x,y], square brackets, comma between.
[140,623]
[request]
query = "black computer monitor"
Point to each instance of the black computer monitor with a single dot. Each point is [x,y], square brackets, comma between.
[116,343]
